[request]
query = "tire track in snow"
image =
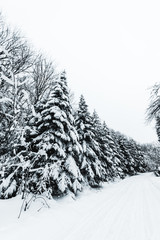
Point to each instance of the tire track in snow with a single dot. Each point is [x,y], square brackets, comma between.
[131,217]
[108,207]
[119,217]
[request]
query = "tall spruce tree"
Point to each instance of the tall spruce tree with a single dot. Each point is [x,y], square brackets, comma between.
[90,164]
[54,147]
[118,157]
[140,164]
[127,162]
[105,153]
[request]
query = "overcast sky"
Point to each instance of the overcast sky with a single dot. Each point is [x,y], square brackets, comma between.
[109,48]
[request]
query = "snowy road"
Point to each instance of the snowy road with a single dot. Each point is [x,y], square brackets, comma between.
[128,210]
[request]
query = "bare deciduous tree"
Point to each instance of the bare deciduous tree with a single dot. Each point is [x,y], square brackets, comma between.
[15,45]
[43,75]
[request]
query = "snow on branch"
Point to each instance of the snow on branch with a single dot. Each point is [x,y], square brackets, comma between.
[5,99]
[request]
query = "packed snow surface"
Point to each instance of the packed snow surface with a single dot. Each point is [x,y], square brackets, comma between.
[126,210]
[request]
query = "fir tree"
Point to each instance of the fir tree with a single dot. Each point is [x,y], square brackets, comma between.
[90,164]
[127,161]
[54,148]
[118,160]
[105,153]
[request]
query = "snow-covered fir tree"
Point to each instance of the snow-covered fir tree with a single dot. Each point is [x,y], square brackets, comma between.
[54,148]
[111,153]
[127,162]
[105,153]
[90,164]
[136,152]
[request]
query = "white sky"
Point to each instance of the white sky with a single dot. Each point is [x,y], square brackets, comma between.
[109,48]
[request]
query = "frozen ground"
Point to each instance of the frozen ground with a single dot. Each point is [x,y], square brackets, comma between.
[128,210]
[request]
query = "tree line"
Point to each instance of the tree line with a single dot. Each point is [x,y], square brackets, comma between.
[46,146]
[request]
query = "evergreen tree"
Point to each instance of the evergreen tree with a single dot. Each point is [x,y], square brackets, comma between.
[127,162]
[105,152]
[116,153]
[54,148]
[90,164]
[137,155]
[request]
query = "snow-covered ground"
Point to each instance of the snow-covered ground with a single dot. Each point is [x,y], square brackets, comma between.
[127,210]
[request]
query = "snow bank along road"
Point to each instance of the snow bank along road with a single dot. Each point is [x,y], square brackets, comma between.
[128,210]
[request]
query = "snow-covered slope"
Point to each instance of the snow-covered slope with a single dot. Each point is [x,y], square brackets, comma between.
[128,210]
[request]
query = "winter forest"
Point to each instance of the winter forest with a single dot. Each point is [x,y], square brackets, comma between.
[49,146]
